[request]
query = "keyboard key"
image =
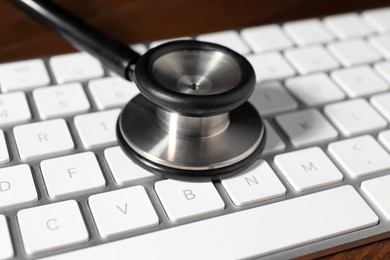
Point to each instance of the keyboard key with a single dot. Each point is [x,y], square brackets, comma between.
[360,155]
[354,117]
[359,81]
[270,66]
[16,186]
[381,43]
[353,52]
[51,227]
[72,174]
[379,19]
[185,200]
[13,109]
[377,190]
[43,139]
[307,32]
[97,129]
[122,168]
[23,75]
[308,169]
[230,39]
[383,69]
[339,211]
[60,101]
[382,103]
[4,156]
[384,138]
[112,92]
[75,67]
[138,47]
[306,127]
[271,98]
[274,143]
[7,251]
[266,38]
[122,211]
[314,89]
[347,26]
[311,59]
[258,183]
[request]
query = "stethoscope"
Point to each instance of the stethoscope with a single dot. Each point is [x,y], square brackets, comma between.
[192,120]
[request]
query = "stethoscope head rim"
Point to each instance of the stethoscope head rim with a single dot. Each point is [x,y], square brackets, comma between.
[194,78]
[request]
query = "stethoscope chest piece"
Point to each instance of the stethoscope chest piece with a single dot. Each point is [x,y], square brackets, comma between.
[192,121]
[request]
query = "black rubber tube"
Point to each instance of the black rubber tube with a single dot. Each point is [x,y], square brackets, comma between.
[114,54]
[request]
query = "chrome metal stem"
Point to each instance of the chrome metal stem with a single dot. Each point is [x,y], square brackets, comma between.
[179,125]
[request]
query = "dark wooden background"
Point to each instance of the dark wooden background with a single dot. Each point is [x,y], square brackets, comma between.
[145,20]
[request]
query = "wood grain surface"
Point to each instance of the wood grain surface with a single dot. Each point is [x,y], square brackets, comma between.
[145,20]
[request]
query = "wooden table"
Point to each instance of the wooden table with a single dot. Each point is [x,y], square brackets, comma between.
[145,20]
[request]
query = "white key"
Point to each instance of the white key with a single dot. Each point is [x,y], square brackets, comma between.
[307,32]
[258,183]
[274,143]
[360,155]
[377,190]
[359,81]
[270,66]
[23,75]
[353,52]
[311,59]
[7,251]
[308,169]
[184,200]
[314,89]
[122,211]
[159,42]
[54,226]
[4,156]
[266,38]
[354,117]
[122,168]
[72,174]
[382,103]
[379,19]
[14,109]
[230,39]
[271,98]
[97,129]
[384,138]
[112,92]
[306,127]
[278,226]
[381,43]
[60,101]
[75,67]
[138,47]
[16,186]
[347,26]
[383,69]
[43,139]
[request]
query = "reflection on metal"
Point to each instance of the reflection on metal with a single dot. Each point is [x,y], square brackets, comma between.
[190,143]
[195,72]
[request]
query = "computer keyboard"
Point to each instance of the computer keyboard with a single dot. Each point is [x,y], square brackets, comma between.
[67,191]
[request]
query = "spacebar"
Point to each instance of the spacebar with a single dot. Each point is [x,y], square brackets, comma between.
[248,233]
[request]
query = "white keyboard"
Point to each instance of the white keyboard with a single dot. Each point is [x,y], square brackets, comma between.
[67,191]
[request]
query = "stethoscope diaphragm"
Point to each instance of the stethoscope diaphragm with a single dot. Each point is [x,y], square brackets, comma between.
[193,121]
